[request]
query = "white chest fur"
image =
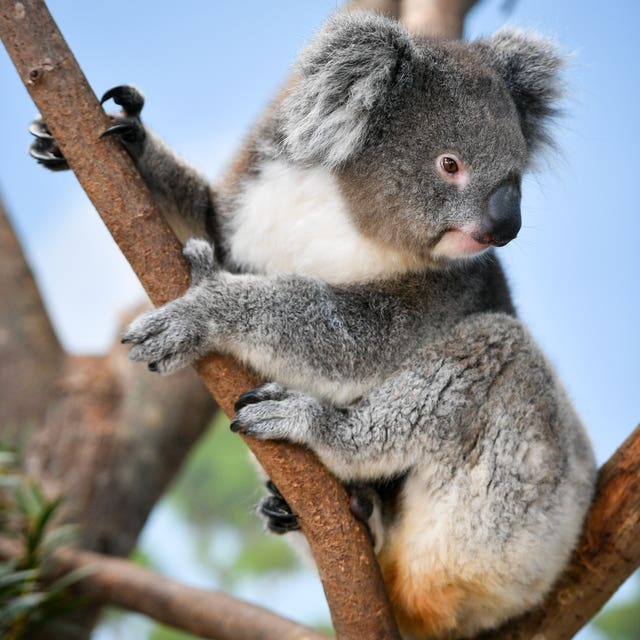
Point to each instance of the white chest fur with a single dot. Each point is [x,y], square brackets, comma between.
[292,220]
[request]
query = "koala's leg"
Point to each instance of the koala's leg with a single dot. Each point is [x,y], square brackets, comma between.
[499,472]
[182,193]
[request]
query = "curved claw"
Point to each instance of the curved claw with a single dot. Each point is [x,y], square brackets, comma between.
[47,154]
[128,97]
[121,129]
[278,515]
[39,129]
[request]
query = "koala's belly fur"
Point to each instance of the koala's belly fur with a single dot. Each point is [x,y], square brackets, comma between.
[435,560]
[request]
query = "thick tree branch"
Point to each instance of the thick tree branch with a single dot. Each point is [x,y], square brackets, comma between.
[206,613]
[359,605]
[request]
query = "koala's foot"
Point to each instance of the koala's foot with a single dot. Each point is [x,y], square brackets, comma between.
[44,148]
[178,333]
[276,511]
[280,519]
[127,124]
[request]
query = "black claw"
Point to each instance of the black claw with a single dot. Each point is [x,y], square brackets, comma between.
[128,97]
[153,366]
[117,129]
[42,151]
[273,489]
[276,508]
[126,341]
[39,129]
[278,515]
[252,396]
[236,426]
[281,528]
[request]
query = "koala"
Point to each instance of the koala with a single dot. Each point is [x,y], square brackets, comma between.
[349,259]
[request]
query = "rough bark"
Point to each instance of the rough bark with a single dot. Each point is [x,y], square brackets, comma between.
[30,354]
[359,606]
[97,430]
[435,18]
[206,613]
[97,427]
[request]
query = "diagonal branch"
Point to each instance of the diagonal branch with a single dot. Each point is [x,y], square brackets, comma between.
[359,606]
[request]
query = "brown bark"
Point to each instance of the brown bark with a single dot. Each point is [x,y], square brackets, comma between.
[435,18]
[206,613]
[101,432]
[97,430]
[30,354]
[359,606]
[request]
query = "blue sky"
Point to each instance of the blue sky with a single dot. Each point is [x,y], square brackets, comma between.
[208,68]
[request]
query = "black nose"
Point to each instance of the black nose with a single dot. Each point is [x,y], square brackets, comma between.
[502,220]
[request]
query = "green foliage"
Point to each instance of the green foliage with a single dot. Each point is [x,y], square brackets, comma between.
[214,498]
[621,621]
[216,493]
[27,604]
[160,632]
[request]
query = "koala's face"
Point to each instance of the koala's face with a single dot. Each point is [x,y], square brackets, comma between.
[440,174]
[428,140]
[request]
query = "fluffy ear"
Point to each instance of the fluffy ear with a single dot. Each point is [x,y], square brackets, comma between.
[530,66]
[345,74]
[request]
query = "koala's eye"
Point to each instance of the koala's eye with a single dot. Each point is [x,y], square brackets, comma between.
[452,169]
[449,164]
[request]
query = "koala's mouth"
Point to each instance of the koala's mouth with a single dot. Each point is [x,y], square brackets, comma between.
[460,243]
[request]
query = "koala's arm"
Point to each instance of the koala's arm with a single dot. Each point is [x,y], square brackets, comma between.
[183,194]
[298,330]
[483,389]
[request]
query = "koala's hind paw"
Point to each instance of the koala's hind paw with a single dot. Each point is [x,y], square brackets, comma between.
[127,124]
[277,512]
[168,338]
[44,148]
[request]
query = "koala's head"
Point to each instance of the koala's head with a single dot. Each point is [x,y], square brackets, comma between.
[428,140]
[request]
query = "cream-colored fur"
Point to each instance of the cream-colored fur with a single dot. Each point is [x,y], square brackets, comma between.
[294,220]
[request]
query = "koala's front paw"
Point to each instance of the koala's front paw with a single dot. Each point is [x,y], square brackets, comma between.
[167,338]
[126,124]
[45,148]
[272,412]
[177,334]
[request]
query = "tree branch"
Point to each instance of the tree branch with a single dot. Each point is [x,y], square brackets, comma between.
[359,605]
[435,18]
[206,613]
[30,355]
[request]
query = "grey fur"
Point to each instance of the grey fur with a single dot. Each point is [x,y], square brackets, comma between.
[418,374]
